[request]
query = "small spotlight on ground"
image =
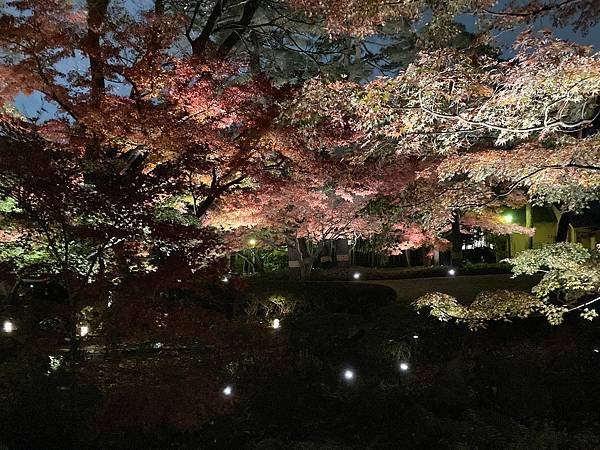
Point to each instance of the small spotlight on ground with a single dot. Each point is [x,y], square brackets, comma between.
[8,326]
[348,375]
[403,367]
[356,276]
[452,272]
[276,323]
[227,391]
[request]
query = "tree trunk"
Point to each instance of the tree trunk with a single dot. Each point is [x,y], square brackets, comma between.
[96,14]
[342,252]
[199,44]
[235,36]
[295,259]
[456,238]
[562,231]
[529,221]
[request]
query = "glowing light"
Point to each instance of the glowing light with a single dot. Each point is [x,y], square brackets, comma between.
[452,272]
[225,280]
[508,218]
[252,242]
[83,330]
[415,336]
[356,275]
[227,391]
[349,374]
[8,326]
[403,367]
[55,362]
[597,350]
[276,323]
[31,286]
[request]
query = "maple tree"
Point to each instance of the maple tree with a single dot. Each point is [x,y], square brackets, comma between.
[176,97]
[142,145]
[488,132]
[362,17]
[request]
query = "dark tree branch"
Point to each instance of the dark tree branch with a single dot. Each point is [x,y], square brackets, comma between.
[235,36]
[199,44]
[96,15]
[533,13]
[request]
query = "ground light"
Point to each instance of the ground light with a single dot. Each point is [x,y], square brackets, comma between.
[55,362]
[349,375]
[227,391]
[415,336]
[8,326]
[83,330]
[276,323]
[452,272]
[356,276]
[403,366]
[225,280]
[252,242]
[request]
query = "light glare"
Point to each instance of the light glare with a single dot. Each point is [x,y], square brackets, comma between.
[83,330]
[349,374]
[403,367]
[8,326]
[276,323]
[227,391]
[356,275]
[452,272]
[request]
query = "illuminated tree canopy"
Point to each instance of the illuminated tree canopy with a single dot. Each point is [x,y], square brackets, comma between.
[171,131]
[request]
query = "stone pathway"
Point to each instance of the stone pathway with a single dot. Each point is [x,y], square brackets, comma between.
[465,288]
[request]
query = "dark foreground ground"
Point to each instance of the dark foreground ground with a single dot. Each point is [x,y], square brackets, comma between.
[522,385]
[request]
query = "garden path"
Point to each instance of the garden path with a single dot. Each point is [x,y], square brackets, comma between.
[465,288]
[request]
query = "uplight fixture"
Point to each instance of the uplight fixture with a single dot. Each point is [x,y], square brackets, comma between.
[8,326]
